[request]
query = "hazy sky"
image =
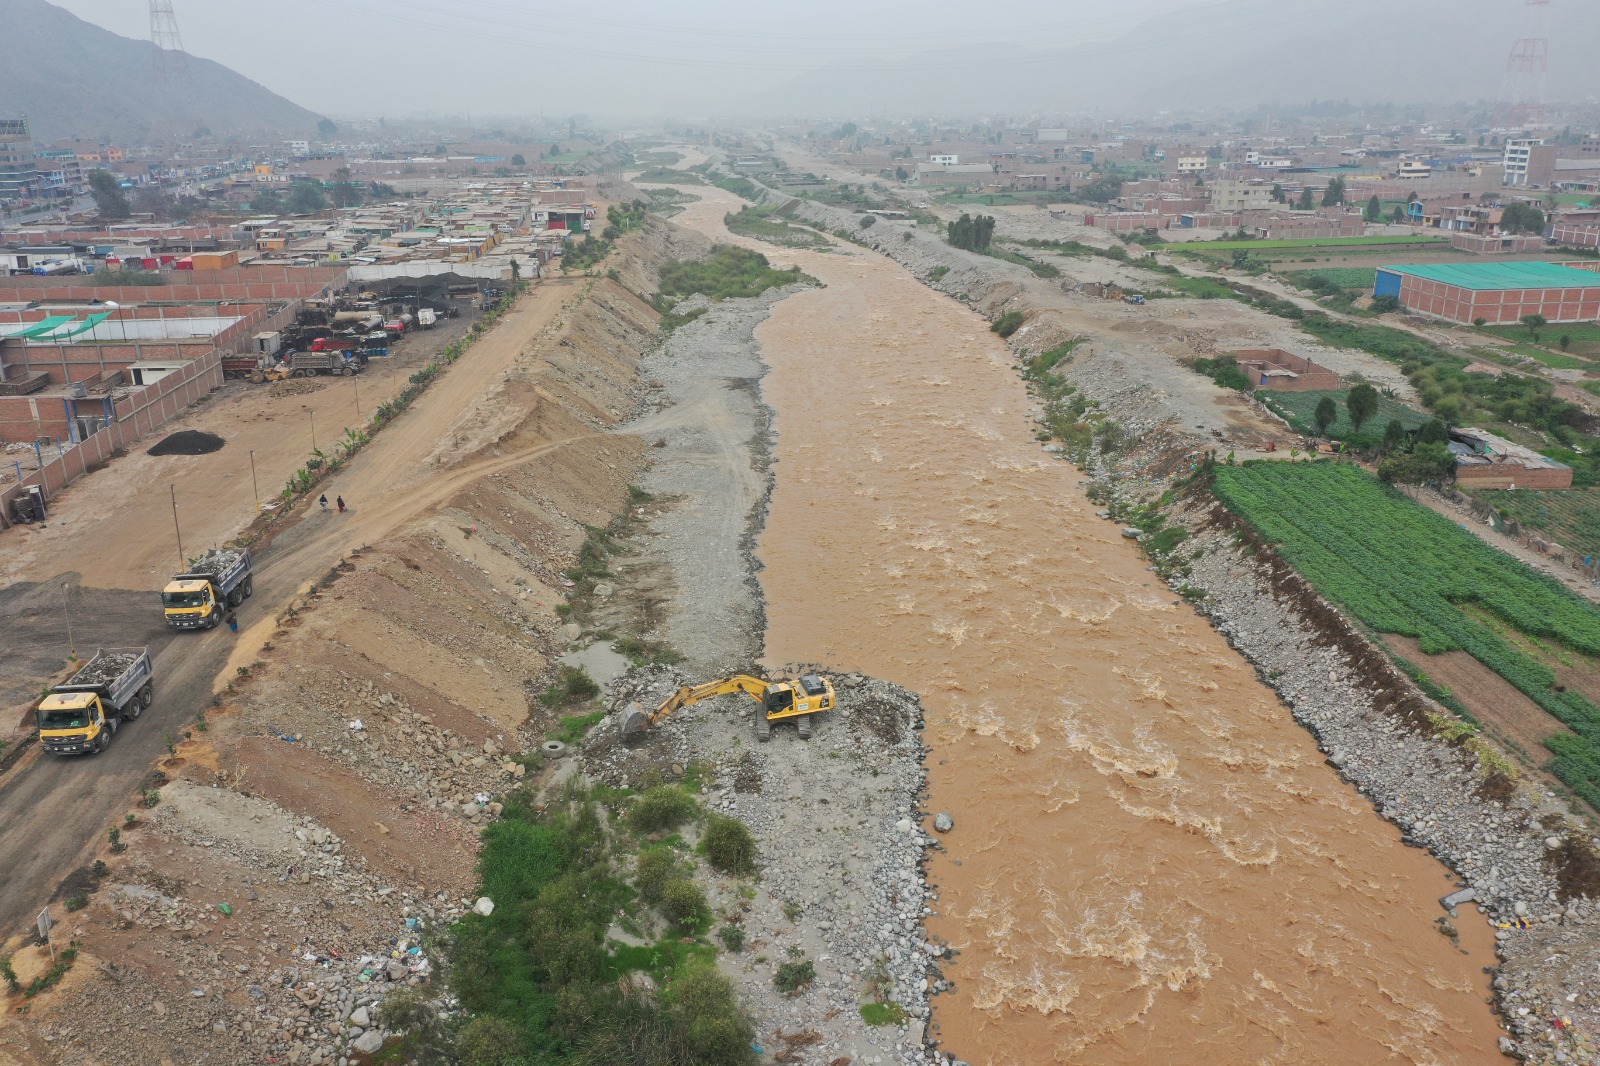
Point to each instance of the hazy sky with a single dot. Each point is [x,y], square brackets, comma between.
[611,57]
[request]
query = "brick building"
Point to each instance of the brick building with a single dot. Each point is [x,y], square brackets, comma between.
[1498,293]
[1485,461]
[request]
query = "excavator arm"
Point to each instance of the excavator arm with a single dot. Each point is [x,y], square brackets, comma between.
[635,720]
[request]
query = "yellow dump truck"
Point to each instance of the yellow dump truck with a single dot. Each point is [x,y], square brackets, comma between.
[200,598]
[79,716]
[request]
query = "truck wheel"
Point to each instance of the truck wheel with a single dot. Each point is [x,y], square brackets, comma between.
[348,372]
[211,623]
[249,587]
[102,741]
[235,597]
[147,696]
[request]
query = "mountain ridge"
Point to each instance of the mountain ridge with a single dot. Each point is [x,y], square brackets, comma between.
[103,87]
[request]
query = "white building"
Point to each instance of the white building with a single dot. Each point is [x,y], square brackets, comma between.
[1517,156]
[1414,168]
[1190,164]
[1229,195]
[299,149]
[944,160]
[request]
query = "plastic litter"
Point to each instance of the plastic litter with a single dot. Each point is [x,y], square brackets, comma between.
[227,911]
[357,726]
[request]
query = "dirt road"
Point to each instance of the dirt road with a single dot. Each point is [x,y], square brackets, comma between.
[53,810]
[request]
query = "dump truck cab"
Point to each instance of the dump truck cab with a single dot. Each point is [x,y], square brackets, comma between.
[74,723]
[190,603]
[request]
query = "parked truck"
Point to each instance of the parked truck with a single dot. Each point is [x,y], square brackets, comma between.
[334,361]
[220,579]
[426,317]
[79,716]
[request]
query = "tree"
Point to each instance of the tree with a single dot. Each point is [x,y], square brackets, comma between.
[1326,414]
[1374,209]
[516,270]
[1534,323]
[1333,195]
[306,198]
[1394,434]
[1362,403]
[1433,431]
[867,221]
[325,128]
[1277,193]
[519,160]
[1566,341]
[1521,217]
[108,198]
[346,192]
[268,202]
[970,233]
[1398,215]
[1306,202]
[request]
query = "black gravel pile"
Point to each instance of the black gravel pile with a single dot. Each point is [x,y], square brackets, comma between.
[188,442]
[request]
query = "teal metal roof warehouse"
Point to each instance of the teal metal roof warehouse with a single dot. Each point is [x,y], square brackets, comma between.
[1497,293]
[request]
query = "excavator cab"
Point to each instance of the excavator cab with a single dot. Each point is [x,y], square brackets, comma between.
[779,700]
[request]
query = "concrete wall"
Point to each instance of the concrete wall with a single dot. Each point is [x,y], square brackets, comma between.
[137,413]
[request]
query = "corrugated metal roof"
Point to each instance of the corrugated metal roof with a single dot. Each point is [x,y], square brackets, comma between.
[1489,276]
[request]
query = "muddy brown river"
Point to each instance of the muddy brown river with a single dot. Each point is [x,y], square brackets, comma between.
[1151,862]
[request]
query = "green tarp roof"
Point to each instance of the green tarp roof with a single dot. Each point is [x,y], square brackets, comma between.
[54,322]
[83,327]
[1490,276]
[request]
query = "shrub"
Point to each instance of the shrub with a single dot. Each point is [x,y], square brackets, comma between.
[573,685]
[1008,323]
[867,221]
[882,1013]
[729,847]
[490,1041]
[77,901]
[683,903]
[651,872]
[792,976]
[732,937]
[661,808]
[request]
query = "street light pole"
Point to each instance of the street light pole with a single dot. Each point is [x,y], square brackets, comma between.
[356,381]
[253,490]
[313,411]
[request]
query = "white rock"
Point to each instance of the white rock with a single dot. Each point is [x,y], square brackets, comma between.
[369,1042]
[360,1019]
[484,906]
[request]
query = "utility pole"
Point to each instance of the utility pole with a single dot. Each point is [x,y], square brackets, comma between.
[183,563]
[253,490]
[66,612]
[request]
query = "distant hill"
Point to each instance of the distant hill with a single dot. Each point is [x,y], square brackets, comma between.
[73,79]
[1232,54]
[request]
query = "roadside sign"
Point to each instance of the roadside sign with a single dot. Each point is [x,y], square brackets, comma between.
[44,931]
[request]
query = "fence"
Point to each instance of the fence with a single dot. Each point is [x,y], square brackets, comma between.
[137,413]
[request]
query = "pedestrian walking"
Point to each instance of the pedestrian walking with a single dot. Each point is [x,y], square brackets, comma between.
[233,621]
[340,502]
[324,501]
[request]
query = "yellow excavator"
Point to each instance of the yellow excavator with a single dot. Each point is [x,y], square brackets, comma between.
[780,701]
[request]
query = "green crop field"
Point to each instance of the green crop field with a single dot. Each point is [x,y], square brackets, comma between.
[1585,338]
[1300,407]
[1400,568]
[1363,278]
[1570,517]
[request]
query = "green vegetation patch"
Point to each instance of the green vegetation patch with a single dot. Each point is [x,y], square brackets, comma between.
[882,1013]
[1309,242]
[726,273]
[666,176]
[1299,409]
[540,962]
[765,224]
[1400,568]
[1336,279]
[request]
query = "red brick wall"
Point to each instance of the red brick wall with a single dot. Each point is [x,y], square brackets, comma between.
[137,414]
[1499,306]
[244,283]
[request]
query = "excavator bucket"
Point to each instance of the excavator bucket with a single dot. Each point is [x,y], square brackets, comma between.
[634,720]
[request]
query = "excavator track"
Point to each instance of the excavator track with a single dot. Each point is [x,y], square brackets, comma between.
[763,726]
[804,722]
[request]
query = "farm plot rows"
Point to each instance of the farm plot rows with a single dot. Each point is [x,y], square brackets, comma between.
[1570,517]
[1299,409]
[1403,569]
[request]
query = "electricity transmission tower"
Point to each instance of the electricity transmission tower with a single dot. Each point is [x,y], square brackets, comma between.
[1522,94]
[171,61]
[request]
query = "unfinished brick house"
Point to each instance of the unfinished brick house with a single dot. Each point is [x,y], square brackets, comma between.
[1274,368]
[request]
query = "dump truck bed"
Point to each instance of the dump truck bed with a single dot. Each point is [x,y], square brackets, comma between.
[115,673]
